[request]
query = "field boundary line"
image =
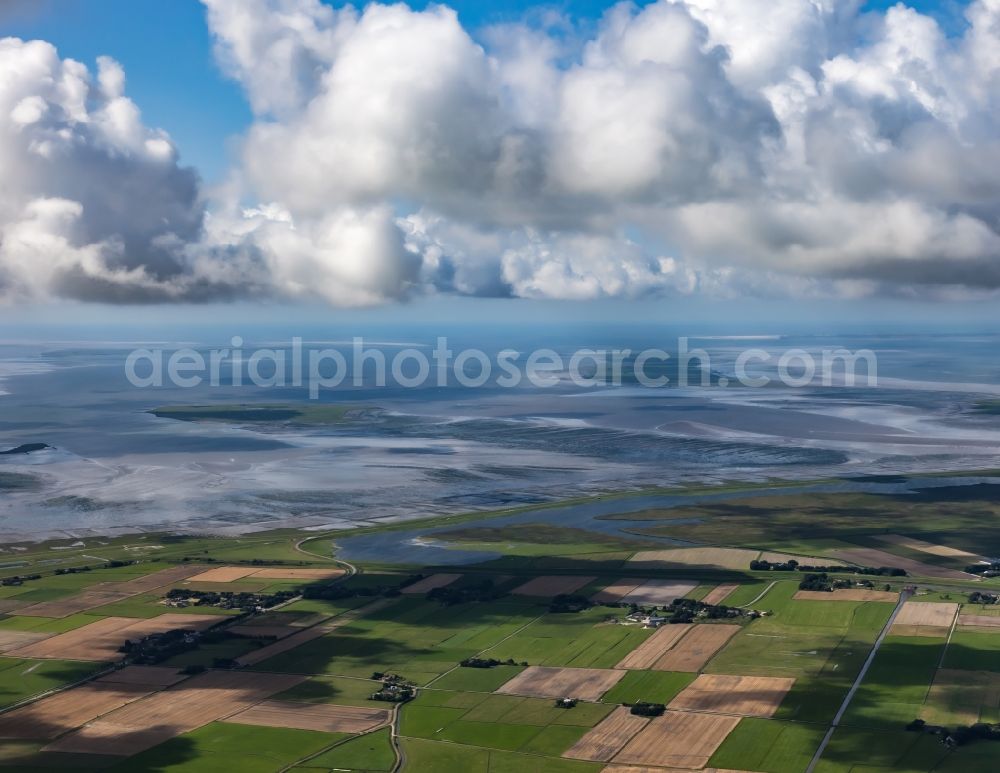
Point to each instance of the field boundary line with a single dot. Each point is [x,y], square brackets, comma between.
[760,596]
[483,652]
[903,598]
[947,642]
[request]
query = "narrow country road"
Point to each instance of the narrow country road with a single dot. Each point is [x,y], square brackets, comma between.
[903,597]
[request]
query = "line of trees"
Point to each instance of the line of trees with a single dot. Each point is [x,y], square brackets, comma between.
[760,565]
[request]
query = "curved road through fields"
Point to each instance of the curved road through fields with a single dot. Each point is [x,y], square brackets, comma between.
[903,597]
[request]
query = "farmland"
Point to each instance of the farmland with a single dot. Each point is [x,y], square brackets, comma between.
[530,661]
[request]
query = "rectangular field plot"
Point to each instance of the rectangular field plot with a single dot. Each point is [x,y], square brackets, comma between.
[659,592]
[223,574]
[748,696]
[646,654]
[264,631]
[678,739]
[431,583]
[13,640]
[64,711]
[583,640]
[167,714]
[406,635]
[499,722]
[974,650]
[846,594]
[148,676]
[100,640]
[696,648]
[324,718]
[296,573]
[603,742]
[770,744]
[110,592]
[930,548]
[895,688]
[927,618]
[971,620]
[20,679]
[74,604]
[874,557]
[222,747]
[553,585]
[962,697]
[584,683]
[717,558]
[652,686]
[616,591]
[719,594]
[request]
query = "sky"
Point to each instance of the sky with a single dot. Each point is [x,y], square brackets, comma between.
[777,158]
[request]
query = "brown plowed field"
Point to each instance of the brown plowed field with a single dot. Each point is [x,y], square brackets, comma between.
[646,654]
[587,684]
[322,717]
[748,696]
[696,648]
[604,741]
[164,715]
[678,739]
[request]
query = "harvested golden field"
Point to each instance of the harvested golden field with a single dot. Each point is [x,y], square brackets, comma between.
[719,593]
[696,648]
[924,618]
[430,583]
[100,640]
[929,547]
[979,621]
[722,558]
[603,742]
[587,684]
[234,573]
[659,592]
[678,739]
[748,696]
[164,715]
[652,649]
[67,710]
[13,640]
[296,573]
[616,590]
[149,676]
[873,557]
[779,558]
[553,585]
[846,594]
[224,574]
[321,717]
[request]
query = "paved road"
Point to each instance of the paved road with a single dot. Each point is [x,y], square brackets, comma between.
[857,682]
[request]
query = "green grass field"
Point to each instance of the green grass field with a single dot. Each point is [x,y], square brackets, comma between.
[221,747]
[20,679]
[458,723]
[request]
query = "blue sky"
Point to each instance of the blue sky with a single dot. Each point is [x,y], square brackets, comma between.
[166,50]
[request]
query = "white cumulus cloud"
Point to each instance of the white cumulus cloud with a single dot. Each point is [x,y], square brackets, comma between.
[688,146]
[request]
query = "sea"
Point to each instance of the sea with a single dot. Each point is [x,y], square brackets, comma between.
[416,444]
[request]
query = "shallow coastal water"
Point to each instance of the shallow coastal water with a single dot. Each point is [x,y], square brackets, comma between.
[419,452]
